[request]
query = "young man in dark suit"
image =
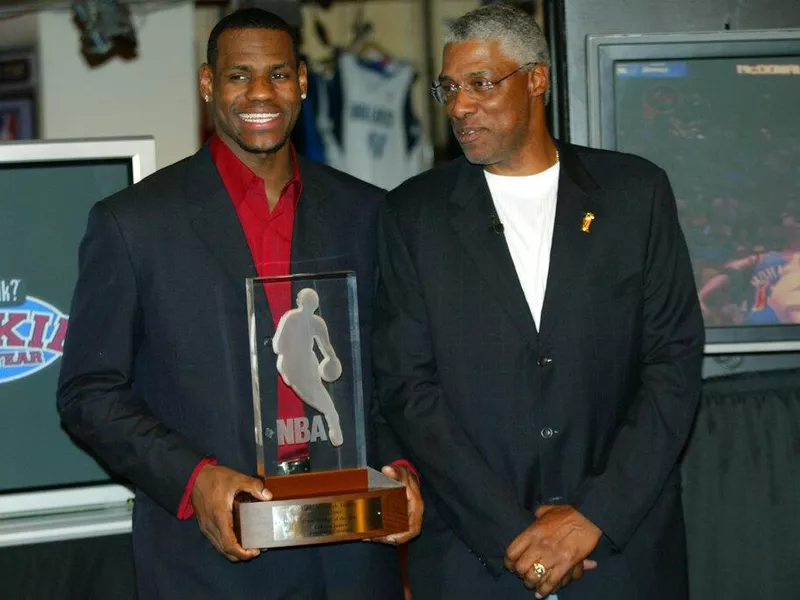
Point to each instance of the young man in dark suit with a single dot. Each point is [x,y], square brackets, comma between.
[538,344]
[156,372]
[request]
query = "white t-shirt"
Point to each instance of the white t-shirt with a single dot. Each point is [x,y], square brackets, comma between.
[526,206]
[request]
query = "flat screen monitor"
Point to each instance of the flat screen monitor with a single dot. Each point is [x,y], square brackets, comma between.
[719,112]
[46,191]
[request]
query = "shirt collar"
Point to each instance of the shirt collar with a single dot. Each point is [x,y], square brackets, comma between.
[238,177]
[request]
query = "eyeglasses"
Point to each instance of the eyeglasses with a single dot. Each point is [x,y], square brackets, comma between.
[477,87]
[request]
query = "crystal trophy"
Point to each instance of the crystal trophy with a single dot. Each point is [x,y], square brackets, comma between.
[309,421]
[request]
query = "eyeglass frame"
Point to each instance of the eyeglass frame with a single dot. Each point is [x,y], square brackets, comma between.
[437,85]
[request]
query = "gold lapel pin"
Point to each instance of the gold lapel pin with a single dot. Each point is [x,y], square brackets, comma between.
[586,225]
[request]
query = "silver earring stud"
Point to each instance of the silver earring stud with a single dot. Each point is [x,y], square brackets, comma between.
[206,98]
[303,96]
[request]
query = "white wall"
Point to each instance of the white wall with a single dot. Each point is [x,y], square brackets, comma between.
[154,94]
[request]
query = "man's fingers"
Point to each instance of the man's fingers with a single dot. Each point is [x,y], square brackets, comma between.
[401,538]
[233,549]
[557,573]
[516,548]
[223,519]
[256,488]
[415,505]
[237,553]
[416,509]
[542,569]
[392,540]
[396,474]
[545,587]
[553,581]
[554,578]
[549,553]
[543,509]
[216,536]
[396,539]
[530,579]
[213,496]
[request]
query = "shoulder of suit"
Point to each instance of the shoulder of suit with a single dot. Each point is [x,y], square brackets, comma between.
[428,188]
[611,168]
[332,180]
[152,192]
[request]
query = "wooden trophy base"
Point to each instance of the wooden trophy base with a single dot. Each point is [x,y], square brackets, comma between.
[324,507]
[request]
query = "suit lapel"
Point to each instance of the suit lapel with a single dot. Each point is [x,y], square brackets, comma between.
[577,196]
[311,238]
[214,219]
[473,208]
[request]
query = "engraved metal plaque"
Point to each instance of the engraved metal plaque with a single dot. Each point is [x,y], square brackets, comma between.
[298,521]
[379,509]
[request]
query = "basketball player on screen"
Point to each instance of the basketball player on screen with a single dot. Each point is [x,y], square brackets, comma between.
[774,281]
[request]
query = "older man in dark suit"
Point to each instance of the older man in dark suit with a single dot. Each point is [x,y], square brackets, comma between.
[538,344]
[156,372]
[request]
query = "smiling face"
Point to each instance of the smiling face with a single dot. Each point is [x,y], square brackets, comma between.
[497,130]
[256,86]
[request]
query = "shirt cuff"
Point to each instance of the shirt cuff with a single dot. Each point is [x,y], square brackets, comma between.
[185,508]
[404,463]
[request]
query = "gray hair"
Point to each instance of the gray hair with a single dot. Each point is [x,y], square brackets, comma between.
[519,35]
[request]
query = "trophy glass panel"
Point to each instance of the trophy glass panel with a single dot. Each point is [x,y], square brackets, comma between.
[306,372]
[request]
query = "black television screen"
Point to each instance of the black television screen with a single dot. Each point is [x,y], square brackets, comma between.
[719,113]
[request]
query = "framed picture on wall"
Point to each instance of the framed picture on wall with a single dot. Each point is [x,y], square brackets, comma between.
[16,119]
[18,72]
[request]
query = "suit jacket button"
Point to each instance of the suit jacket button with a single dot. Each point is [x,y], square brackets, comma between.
[544,361]
[546,433]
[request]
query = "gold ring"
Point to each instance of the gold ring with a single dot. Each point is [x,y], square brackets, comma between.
[539,569]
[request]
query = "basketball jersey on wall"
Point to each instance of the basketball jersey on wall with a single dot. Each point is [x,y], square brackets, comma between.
[367,124]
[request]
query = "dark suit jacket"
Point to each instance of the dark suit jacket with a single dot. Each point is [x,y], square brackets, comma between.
[156,373]
[591,410]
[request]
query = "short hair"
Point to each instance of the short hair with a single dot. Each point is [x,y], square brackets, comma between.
[249,18]
[519,35]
